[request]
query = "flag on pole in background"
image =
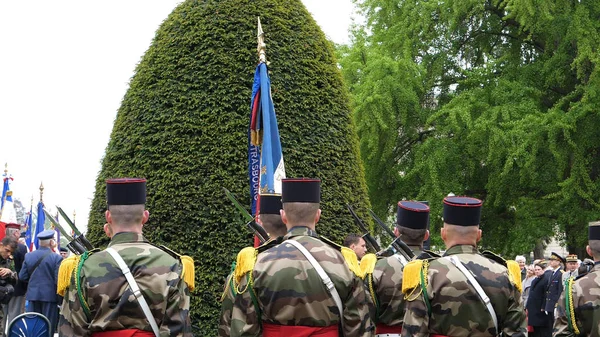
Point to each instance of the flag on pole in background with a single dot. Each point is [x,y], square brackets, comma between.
[39,225]
[29,223]
[8,214]
[5,188]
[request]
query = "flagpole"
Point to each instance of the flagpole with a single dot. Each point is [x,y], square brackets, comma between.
[262,47]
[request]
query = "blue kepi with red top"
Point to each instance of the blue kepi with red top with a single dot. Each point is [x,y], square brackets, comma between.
[126,191]
[462,211]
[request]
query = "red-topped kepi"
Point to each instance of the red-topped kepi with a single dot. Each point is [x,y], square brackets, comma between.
[301,190]
[126,191]
[462,211]
[412,214]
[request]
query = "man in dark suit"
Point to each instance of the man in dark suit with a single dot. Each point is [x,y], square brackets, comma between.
[555,286]
[537,318]
[40,269]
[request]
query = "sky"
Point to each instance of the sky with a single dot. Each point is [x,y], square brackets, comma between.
[65,66]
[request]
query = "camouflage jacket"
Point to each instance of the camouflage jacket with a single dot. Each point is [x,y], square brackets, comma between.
[455,307]
[226,307]
[585,292]
[100,299]
[288,291]
[385,289]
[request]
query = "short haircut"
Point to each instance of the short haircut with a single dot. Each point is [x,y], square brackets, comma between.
[462,231]
[273,225]
[127,215]
[520,258]
[595,247]
[300,213]
[412,236]
[352,239]
[9,241]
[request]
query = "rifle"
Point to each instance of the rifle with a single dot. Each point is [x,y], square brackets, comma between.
[255,228]
[369,239]
[397,246]
[79,244]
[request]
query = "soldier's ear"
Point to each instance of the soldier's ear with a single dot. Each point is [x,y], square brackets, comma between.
[145,217]
[397,232]
[107,216]
[478,235]
[589,251]
[283,217]
[426,235]
[443,233]
[108,230]
[318,216]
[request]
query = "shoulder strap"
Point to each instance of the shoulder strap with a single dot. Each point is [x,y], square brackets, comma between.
[486,300]
[135,289]
[324,277]
[37,264]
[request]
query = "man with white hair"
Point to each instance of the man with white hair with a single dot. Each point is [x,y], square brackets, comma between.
[40,269]
[521,261]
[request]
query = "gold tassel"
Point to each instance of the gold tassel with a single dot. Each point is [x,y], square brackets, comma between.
[411,275]
[514,273]
[352,261]
[188,271]
[246,259]
[65,271]
[367,263]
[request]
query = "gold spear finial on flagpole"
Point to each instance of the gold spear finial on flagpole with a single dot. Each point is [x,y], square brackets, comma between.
[41,191]
[262,47]
[6,169]
[74,214]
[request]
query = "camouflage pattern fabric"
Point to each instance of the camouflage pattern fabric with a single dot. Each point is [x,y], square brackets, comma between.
[456,308]
[385,284]
[226,308]
[288,291]
[586,303]
[111,303]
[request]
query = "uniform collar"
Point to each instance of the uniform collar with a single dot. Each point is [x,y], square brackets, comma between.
[461,249]
[127,237]
[300,231]
[417,250]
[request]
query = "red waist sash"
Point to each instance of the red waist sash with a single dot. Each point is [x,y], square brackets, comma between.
[124,333]
[382,328]
[274,330]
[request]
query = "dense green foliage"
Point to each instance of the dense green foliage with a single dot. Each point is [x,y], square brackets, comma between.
[183,125]
[492,99]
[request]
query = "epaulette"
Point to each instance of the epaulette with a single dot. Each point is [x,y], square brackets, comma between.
[411,275]
[349,256]
[244,263]
[427,255]
[269,244]
[514,274]
[367,264]
[188,272]
[65,272]
[494,257]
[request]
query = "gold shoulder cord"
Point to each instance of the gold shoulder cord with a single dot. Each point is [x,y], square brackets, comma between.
[572,307]
[412,295]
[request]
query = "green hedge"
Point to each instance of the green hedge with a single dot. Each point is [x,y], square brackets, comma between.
[183,126]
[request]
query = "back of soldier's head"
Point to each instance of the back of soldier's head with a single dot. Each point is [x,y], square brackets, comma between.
[270,215]
[594,239]
[412,221]
[301,200]
[461,219]
[126,198]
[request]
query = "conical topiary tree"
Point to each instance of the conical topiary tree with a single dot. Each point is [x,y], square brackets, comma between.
[183,126]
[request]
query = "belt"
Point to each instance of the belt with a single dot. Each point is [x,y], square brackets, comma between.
[276,330]
[124,333]
[388,330]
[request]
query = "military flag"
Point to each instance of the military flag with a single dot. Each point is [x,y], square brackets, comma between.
[7,214]
[29,224]
[5,187]
[39,225]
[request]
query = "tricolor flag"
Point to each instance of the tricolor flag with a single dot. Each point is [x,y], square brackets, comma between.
[5,188]
[265,164]
[8,214]
[28,232]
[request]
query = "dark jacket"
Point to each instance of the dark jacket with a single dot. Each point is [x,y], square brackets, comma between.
[42,284]
[535,302]
[18,258]
[553,290]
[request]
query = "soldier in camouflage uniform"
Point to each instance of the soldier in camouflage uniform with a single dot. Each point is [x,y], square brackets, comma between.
[579,305]
[98,300]
[441,300]
[280,293]
[270,218]
[384,279]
